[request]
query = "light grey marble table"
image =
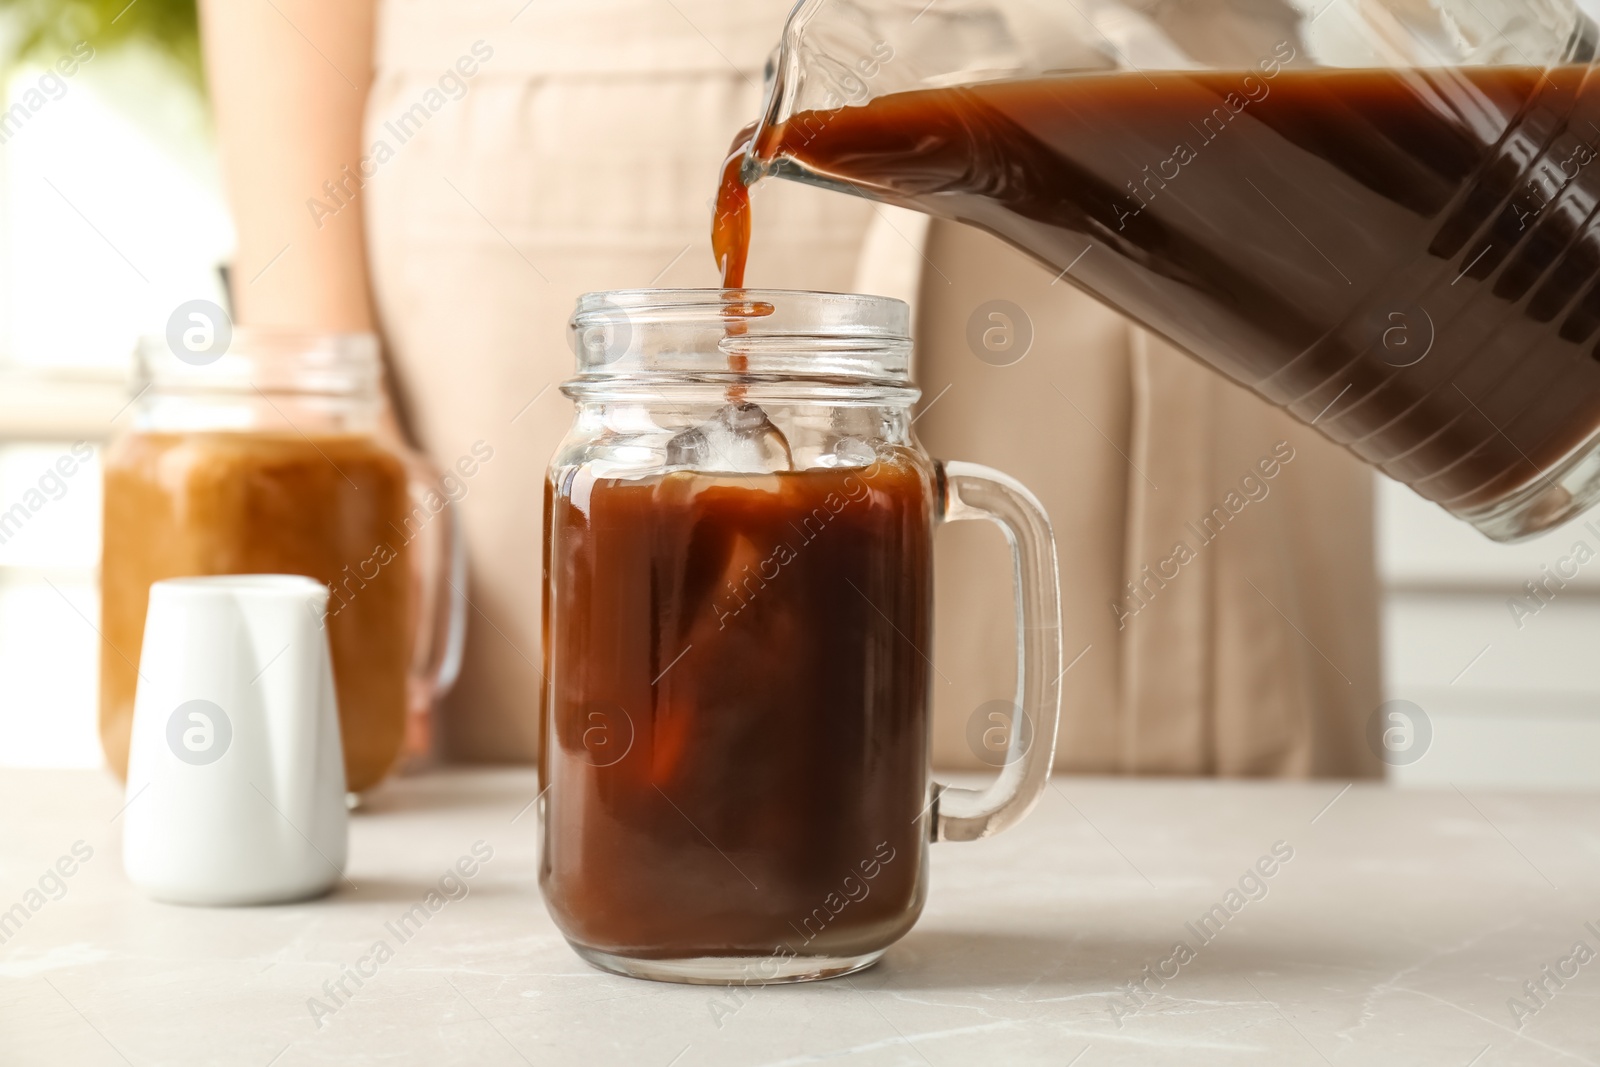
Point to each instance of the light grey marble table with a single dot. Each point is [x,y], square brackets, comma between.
[1401,930]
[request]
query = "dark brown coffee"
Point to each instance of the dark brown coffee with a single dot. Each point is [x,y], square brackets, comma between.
[736,742]
[1408,259]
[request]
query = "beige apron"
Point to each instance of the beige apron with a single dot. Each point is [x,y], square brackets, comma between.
[581,153]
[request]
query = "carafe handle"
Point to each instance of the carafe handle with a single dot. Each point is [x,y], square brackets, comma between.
[969,491]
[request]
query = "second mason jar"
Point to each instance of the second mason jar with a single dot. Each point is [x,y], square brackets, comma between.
[258,451]
[738,599]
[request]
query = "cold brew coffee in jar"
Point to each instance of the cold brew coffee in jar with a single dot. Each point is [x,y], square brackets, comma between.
[738,616]
[264,459]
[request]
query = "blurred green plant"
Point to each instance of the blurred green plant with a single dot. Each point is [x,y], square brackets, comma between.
[45,29]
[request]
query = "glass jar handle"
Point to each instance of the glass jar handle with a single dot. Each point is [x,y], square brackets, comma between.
[439,576]
[970,491]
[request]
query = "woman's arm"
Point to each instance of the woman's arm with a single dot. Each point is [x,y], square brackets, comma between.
[289,82]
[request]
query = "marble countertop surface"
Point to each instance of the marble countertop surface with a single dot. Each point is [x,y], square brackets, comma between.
[1397,927]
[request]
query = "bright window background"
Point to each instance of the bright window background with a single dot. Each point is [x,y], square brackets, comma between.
[1512,697]
[47,599]
[110,216]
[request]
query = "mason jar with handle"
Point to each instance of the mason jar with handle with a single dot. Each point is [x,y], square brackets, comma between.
[738,616]
[1380,215]
[259,452]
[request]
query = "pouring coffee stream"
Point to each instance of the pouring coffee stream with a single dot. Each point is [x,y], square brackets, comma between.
[730,225]
[1407,259]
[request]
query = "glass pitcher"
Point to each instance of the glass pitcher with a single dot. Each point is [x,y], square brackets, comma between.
[738,612]
[1380,215]
[256,451]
